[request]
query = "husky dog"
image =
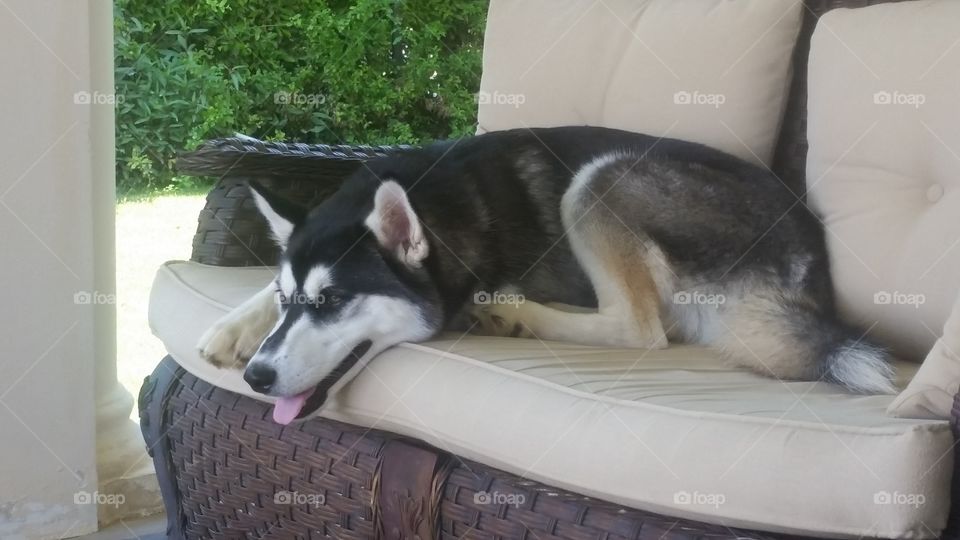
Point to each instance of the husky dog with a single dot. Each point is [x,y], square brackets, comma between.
[666,240]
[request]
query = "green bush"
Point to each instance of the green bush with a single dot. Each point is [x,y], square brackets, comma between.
[362,71]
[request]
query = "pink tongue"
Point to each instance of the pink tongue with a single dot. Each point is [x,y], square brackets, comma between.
[286,409]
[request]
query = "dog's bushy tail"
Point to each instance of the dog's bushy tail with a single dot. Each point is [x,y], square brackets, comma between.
[851,361]
[789,339]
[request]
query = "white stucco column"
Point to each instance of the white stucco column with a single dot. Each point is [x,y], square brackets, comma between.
[46,257]
[67,438]
[124,470]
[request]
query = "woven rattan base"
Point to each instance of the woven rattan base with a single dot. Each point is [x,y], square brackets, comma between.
[238,474]
[228,471]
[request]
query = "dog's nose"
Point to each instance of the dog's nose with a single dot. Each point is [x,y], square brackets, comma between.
[260,377]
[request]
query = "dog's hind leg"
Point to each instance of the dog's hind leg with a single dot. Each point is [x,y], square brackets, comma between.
[235,338]
[627,271]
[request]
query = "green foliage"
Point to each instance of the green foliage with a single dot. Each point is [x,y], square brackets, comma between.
[331,71]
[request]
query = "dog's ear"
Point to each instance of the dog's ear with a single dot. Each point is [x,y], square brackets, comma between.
[281,214]
[396,225]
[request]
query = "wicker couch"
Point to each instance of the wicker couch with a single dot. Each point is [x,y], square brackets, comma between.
[221,461]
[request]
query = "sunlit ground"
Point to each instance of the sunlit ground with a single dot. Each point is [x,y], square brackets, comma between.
[149,231]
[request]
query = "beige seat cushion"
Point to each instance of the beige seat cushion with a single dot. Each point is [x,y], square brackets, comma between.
[883,168]
[672,431]
[710,71]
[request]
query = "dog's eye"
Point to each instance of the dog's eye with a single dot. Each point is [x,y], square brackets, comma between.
[280,296]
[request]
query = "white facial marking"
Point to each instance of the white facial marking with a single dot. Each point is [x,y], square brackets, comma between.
[311,349]
[320,277]
[287,283]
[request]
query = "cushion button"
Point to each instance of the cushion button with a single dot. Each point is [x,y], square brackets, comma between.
[934,193]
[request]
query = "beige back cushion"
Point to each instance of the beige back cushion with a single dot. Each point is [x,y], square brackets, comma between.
[883,168]
[710,71]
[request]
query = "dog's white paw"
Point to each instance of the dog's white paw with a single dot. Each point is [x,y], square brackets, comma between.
[504,320]
[230,343]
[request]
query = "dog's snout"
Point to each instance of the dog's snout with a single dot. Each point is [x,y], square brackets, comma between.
[260,377]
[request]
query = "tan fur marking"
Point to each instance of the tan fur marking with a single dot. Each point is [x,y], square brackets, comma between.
[756,335]
[624,256]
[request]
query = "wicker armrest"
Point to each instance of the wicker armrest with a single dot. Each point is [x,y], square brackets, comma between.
[230,231]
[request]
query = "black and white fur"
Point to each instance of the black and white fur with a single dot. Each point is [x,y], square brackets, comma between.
[577,216]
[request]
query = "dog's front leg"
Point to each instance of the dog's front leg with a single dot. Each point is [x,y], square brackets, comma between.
[235,338]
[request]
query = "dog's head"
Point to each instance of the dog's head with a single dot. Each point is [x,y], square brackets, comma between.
[350,284]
